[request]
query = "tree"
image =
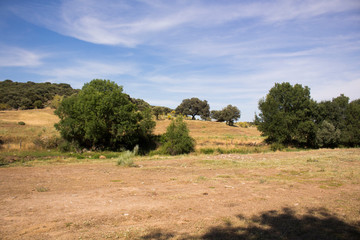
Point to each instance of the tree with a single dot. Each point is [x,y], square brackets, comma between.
[352,131]
[228,114]
[335,113]
[177,140]
[287,115]
[38,104]
[194,107]
[101,116]
[217,115]
[141,104]
[157,111]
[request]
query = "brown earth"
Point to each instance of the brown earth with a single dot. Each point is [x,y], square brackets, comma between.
[257,196]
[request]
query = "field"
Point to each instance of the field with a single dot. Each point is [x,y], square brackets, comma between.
[312,194]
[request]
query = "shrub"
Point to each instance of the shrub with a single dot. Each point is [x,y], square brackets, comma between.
[4,106]
[47,142]
[21,123]
[177,140]
[277,147]
[327,135]
[126,158]
[207,150]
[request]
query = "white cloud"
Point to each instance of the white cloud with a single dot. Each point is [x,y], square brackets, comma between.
[81,72]
[18,57]
[130,23]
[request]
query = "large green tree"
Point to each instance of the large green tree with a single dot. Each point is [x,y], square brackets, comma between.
[194,107]
[287,115]
[101,116]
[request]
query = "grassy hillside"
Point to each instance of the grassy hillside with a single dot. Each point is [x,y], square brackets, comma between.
[39,124]
[215,134]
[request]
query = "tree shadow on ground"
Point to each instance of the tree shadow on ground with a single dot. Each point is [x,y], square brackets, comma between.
[316,224]
[286,224]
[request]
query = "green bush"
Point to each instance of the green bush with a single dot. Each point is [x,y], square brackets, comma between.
[327,135]
[126,158]
[177,140]
[277,147]
[207,150]
[21,123]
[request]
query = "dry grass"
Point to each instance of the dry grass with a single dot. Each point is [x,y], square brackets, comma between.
[38,123]
[215,134]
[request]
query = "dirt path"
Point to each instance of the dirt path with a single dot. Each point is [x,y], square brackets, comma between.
[170,198]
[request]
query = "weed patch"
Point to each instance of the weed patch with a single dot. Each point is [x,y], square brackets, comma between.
[126,158]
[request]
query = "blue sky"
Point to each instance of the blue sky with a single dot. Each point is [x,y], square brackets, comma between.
[222,51]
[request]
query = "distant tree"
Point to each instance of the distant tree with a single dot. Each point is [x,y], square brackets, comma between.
[141,104]
[29,95]
[157,111]
[38,104]
[26,103]
[177,140]
[194,107]
[167,110]
[217,115]
[230,114]
[287,115]
[101,116]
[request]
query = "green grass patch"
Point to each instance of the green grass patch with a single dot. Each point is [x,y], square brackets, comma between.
[42,189]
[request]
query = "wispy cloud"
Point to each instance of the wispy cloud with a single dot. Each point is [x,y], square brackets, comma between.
[80,72]
[19,57]
[130,24]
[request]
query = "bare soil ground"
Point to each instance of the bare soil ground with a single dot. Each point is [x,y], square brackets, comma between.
[293,195]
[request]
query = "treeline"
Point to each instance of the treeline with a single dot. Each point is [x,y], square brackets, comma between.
[30,95]
[289,116]
[195,107]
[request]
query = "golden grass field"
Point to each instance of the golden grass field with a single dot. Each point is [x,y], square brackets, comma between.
[40,123]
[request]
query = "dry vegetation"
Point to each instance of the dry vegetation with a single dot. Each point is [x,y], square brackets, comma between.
[215,134]
[39,123]
[283,195]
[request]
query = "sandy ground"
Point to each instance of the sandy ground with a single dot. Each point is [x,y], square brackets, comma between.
[177,198]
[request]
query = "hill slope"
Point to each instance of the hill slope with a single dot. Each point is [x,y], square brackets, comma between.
[31,95]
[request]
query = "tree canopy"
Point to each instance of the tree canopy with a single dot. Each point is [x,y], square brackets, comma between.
[101,116]
[194,107]
[287,115]
[229,114]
